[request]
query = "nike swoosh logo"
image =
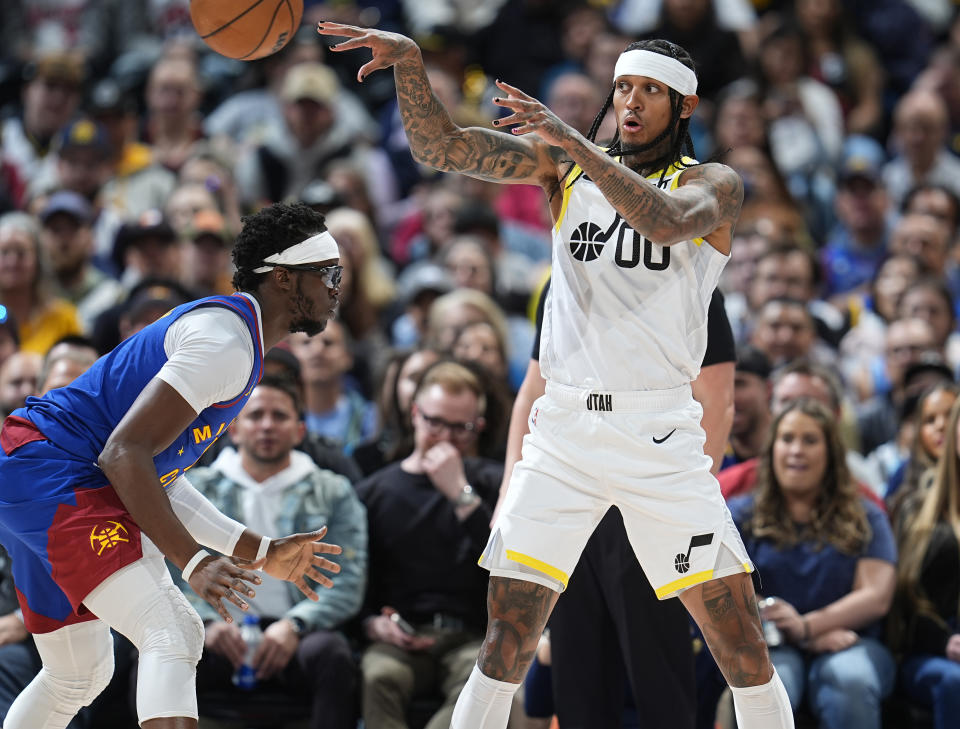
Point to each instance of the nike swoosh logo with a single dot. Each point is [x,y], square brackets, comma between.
[658,441]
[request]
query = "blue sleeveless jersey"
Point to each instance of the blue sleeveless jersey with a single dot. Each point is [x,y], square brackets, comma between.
[80,417]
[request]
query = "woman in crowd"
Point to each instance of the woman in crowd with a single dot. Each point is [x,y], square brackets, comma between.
[827,558]
[25,288]
[907,486]
[925,628]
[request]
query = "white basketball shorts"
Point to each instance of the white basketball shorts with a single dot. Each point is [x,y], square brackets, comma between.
[639,451]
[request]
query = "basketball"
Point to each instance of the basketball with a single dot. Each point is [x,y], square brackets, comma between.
[246,29]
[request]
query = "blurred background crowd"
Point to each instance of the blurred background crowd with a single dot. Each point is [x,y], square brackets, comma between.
[129,153]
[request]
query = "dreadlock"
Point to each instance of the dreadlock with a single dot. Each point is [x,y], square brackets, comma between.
[273,229]
[678,129]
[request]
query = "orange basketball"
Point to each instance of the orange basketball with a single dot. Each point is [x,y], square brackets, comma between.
[246,29]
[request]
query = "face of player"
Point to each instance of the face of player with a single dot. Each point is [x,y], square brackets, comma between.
[268,427]
[643,109]
[312,302]
[799,454]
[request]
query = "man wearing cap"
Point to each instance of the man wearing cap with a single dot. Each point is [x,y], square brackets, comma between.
[858,242]
[313,136]
[66,236]
[207,262]
[51,95]
[641,234]
[93,495]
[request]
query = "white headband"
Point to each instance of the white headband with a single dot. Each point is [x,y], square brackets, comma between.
[321,247]
[658,67]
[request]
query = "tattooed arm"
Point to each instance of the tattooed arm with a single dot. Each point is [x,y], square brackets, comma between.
[705,205]
[435,140]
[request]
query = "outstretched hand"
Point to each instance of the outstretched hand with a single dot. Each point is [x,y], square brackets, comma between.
[218,578]
[388,48]
[531,116]
[297,557]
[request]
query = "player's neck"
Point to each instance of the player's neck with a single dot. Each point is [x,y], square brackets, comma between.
[649,161]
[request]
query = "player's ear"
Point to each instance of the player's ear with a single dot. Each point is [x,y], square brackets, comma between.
[282,278]
[690,103]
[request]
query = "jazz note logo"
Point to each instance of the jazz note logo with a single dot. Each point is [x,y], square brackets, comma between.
[682,561]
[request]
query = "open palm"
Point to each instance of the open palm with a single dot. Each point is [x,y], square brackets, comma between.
[296,557]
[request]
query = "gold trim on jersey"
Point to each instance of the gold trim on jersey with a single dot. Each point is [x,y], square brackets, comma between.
[576,173]
[539,566]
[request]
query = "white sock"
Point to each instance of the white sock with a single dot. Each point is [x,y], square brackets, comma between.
[763,707]
[484,703]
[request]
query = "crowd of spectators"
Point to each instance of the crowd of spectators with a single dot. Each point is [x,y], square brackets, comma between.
[129,153]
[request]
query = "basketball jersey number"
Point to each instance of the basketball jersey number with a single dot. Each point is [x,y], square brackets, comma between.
[621,260]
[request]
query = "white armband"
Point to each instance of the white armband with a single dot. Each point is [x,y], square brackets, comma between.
[203,520]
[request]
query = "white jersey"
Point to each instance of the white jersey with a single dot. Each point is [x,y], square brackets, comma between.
[623,313]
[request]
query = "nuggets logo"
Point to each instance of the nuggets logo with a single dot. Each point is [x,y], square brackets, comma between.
[107,537]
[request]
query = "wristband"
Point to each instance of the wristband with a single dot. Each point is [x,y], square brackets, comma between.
[192,564]
[262,551]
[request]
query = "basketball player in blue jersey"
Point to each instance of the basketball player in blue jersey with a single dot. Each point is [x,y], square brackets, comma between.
[93,492]
[641,235]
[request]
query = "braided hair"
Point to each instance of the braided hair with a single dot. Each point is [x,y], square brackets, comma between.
[275,228]
[678,130]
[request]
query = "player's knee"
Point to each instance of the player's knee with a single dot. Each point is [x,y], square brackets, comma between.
[77,688]
[173,629]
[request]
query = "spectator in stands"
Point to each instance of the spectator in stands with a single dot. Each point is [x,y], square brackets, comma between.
[50,97]
[334,408]
[785,331]
[207,267]
[925,628]
[844,62]
[907,342]
[920,132]
[858,242]
[480,342]
[172,122]
[66,237]
[81,163]
[799,380]
[312,138]
[925,237]
[148,304]
[401,375]
[907,487]
[137,182]
[66,361]
[929,299]
[147,246]
[870,312]
[828,559]
[429,518]
[279,489]
[751,406]
[19,380]
[42,318]
[186,200]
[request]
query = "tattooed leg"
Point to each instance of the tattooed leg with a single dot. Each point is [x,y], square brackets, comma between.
[518,612]
[726,611]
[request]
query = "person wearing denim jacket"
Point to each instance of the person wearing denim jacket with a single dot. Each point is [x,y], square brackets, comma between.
[302,653]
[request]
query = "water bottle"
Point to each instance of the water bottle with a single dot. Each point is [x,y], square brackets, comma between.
[245,677]
[771,633]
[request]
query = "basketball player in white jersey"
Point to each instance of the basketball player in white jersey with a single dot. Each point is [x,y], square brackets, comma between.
[641,236]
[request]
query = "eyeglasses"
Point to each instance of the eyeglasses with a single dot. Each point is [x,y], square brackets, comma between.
[329,275]
[459,431]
